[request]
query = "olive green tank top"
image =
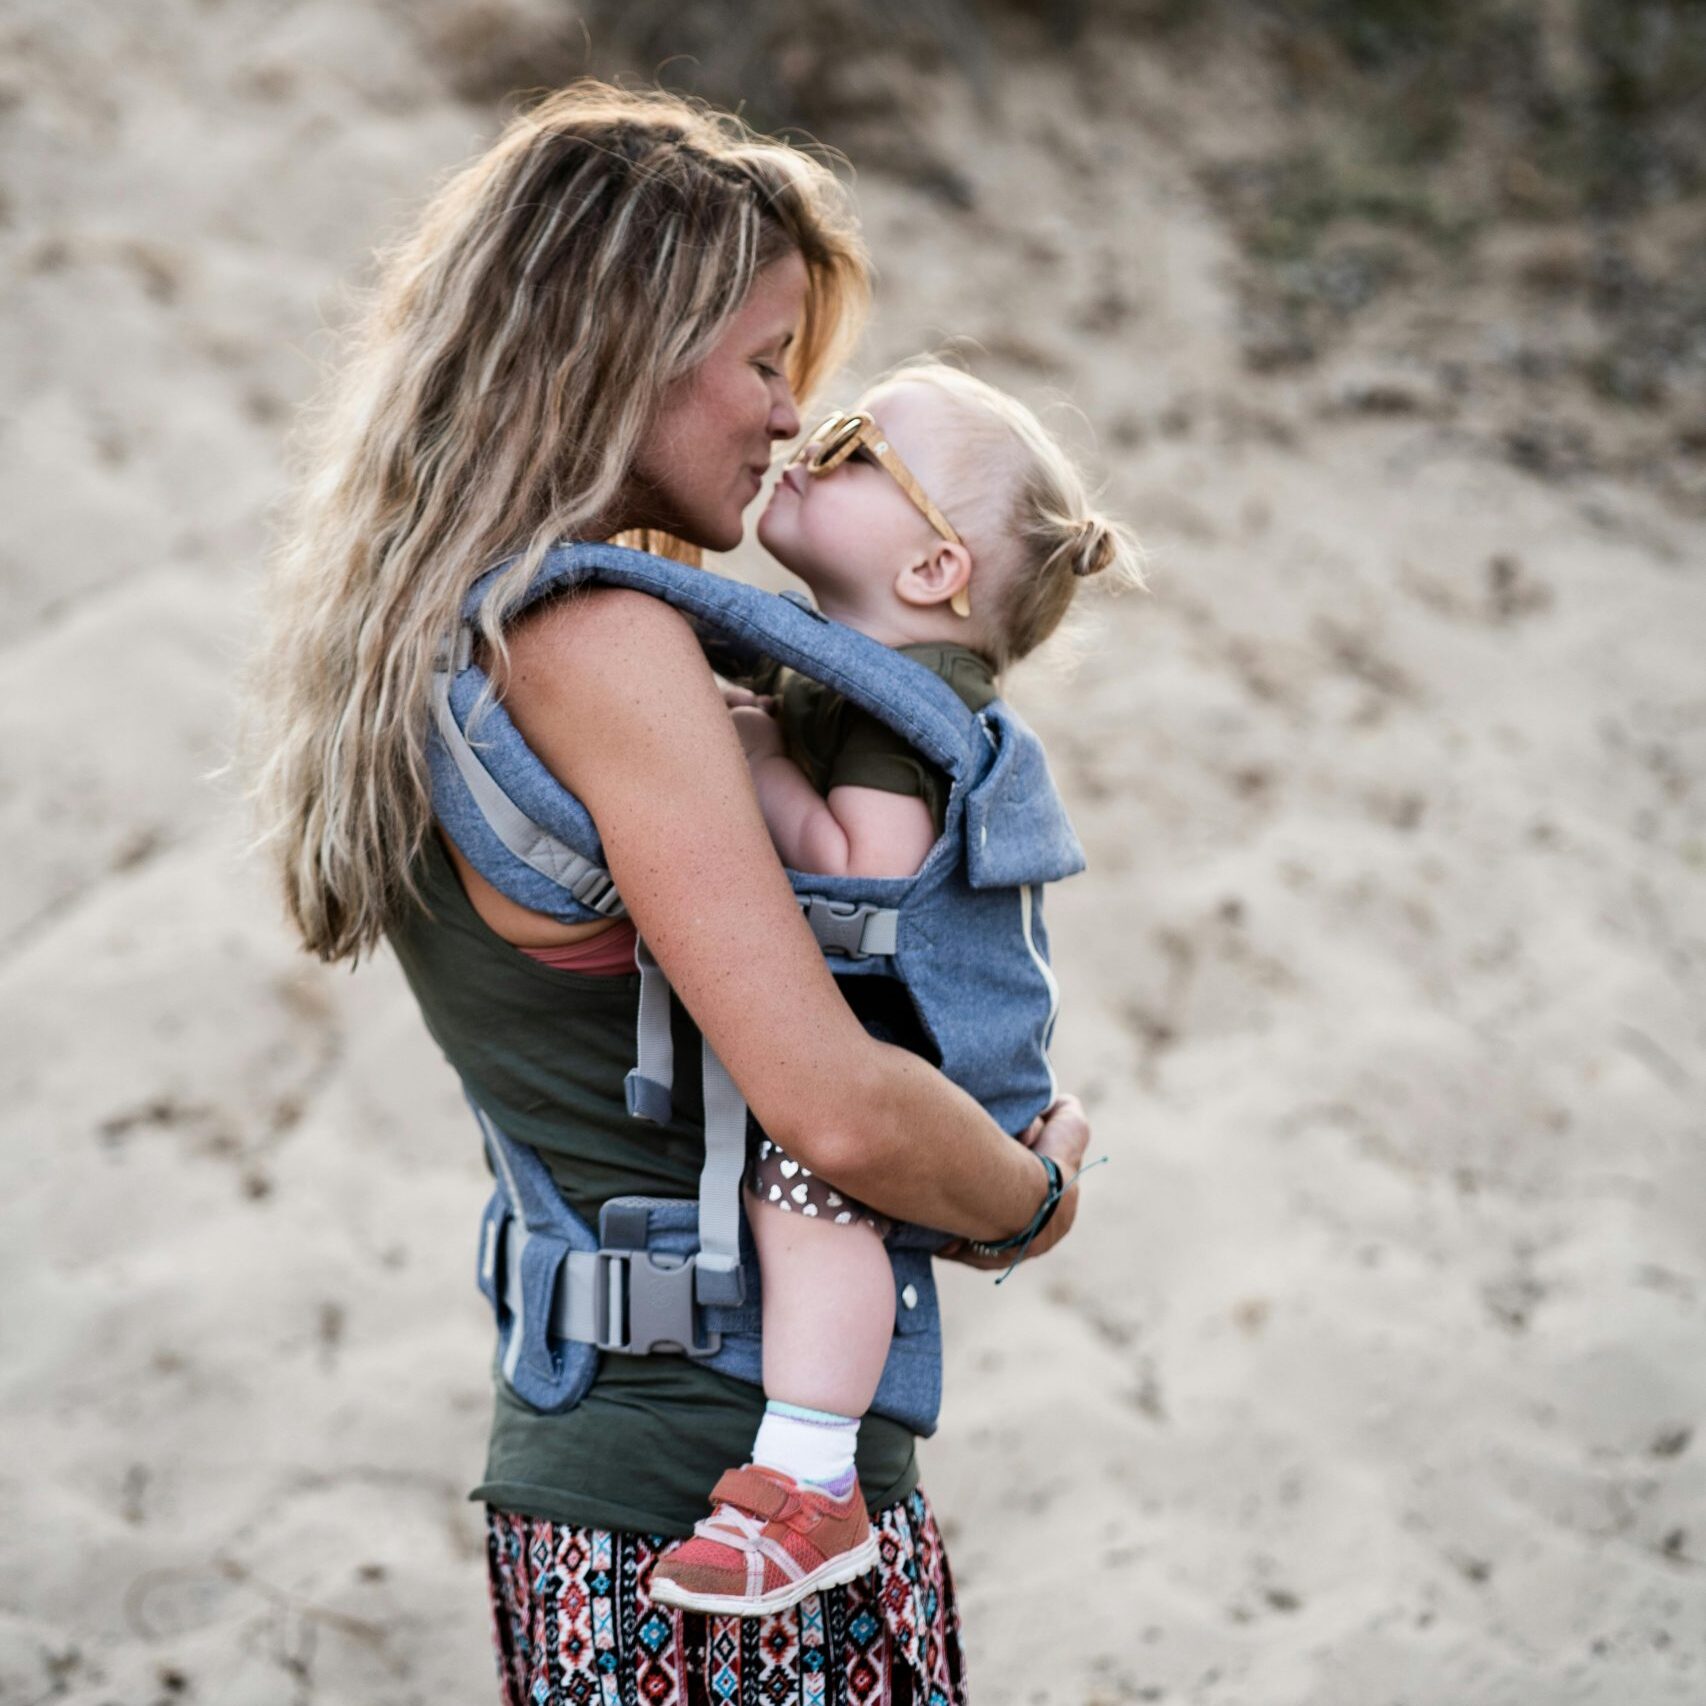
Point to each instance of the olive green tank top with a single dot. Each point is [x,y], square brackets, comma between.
[544,1053]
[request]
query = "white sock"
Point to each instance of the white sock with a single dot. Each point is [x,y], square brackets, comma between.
[811,1445]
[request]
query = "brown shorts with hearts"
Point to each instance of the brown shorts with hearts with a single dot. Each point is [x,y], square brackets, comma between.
[776,1178]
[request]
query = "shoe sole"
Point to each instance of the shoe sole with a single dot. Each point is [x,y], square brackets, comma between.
[838,1571]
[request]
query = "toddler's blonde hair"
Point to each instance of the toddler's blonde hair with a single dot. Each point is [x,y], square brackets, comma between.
[1020,501]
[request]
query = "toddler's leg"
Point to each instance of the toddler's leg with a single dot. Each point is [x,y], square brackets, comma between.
[794,1520]
[828,1308]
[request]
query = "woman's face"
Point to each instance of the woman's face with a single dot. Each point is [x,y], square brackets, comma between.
[705,455]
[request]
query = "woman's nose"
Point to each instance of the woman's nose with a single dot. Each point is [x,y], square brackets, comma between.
[784,416]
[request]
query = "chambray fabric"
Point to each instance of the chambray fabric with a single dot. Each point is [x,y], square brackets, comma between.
[553,1374]
[971,946]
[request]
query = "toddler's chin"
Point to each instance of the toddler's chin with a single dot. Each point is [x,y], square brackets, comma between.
[772,535]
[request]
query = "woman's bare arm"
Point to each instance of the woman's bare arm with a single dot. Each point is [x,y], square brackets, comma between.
[612,692]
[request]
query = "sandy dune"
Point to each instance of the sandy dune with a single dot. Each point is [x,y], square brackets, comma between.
[1373,1374]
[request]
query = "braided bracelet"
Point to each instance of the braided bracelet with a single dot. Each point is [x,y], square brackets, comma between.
[1051,1201]
[1020,1242]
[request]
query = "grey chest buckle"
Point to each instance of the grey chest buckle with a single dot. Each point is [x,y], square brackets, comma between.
[854,928]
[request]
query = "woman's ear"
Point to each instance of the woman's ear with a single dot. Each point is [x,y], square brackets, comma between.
[934,577]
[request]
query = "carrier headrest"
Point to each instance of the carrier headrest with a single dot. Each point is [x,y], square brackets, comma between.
[1017,830]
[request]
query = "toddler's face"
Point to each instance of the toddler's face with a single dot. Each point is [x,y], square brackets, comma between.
[854,527]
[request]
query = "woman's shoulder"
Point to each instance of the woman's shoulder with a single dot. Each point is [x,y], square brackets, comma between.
[606,674]
[598,622]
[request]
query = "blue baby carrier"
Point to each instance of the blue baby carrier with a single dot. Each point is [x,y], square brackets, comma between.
[964,936]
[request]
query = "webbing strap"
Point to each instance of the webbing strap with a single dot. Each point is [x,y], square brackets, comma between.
[574,1310]
[536,848]
[717,1266]
[648,1085]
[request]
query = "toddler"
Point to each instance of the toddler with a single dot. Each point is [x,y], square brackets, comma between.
[941,519]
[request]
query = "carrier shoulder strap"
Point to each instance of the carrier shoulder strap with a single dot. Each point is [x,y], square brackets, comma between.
[491,765]
[897,690]
[535,846]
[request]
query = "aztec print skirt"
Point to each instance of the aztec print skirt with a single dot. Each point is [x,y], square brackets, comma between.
[575,1626]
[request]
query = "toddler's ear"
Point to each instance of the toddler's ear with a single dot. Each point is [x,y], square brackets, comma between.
[936,575]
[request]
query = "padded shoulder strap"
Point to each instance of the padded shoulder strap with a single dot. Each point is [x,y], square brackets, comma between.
[911,699]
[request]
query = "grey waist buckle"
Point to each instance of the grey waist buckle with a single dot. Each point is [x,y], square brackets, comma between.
[647,1305]
[630,1301]
[644,1301]
[854,928]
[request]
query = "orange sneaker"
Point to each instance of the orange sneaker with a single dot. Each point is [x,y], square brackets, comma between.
[768,1543]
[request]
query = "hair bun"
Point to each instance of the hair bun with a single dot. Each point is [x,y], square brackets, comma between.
[1095,546]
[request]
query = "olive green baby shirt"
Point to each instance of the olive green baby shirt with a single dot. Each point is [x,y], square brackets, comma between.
[839,745]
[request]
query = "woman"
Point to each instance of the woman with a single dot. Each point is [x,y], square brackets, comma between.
[600,329]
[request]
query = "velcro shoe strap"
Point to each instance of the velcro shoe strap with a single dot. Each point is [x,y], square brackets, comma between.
[747,1490]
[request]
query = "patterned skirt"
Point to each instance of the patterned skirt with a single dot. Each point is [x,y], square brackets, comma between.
[575,1625]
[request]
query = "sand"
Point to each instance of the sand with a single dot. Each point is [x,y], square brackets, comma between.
[1373,1371]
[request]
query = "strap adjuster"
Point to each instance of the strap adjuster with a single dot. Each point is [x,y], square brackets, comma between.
[597,889]
[857,929]
[646,1303]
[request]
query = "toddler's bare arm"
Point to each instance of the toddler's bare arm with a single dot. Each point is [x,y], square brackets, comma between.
[865,832]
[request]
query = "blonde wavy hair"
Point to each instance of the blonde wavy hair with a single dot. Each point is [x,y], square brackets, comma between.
[1023,506]
[490,403]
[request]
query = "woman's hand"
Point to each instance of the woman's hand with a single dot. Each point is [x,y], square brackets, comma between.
[1061,1132]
